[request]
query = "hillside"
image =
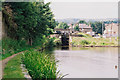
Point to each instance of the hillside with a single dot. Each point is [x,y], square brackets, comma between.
[75,20]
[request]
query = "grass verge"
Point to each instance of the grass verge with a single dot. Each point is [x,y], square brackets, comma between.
[13,69]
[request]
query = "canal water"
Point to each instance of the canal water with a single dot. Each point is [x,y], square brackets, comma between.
[99,62]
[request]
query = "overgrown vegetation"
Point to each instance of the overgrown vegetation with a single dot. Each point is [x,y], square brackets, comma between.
[40,65]
[11,46]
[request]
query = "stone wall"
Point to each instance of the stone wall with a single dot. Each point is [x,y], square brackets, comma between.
[0,25]
[3,33]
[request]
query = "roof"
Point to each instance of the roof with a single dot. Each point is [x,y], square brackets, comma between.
[84,26]
[57,29]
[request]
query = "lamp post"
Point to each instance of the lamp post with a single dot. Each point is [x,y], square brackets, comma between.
[102,28]
[111,30]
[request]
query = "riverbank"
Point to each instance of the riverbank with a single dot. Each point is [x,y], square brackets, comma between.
[10,46]
[31,50]
[88,41]
[93,46]
[42,65]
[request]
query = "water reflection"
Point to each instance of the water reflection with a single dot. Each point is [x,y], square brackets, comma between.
[49,50]
[88,62]
[65,48]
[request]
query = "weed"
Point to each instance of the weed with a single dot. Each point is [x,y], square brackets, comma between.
[40,65]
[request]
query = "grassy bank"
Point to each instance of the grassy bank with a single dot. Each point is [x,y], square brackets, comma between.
[91,41]
[40,65]
[11,46]
[13,69]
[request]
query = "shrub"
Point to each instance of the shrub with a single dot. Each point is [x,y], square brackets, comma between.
[57,41]
[40,65]
[104,43]
[84,42]
[94,43]
[50,42]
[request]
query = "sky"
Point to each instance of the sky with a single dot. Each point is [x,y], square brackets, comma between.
[91,9]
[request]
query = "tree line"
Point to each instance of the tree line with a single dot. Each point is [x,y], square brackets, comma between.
[28,21]
[96,26]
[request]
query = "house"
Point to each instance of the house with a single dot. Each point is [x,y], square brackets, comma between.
[86,29]
[111,30]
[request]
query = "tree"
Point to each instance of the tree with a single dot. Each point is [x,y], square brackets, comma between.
[32,19]
[62,25]
[76,28]
[93,27]
[97,27]
[82,22]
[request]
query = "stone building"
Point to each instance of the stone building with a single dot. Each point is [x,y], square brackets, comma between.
[85,28]
[111,30]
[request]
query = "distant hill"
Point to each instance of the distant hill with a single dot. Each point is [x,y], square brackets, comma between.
[68,20]
[75,20]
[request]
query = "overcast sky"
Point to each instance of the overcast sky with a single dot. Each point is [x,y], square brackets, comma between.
[89,10]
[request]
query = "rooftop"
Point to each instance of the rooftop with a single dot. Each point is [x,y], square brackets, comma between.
[84,26]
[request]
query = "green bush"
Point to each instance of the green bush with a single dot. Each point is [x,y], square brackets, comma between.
[57,42]
[104,43]
[40,41]
[84,42]
[94,43]
[50,42]
[40,65]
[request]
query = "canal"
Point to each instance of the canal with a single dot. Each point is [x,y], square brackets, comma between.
[96,62]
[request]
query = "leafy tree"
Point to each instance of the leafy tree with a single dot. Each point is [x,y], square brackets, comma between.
[76,28]
[93,27]
[62,25]
[32,19]
[97,27]
[82,22]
